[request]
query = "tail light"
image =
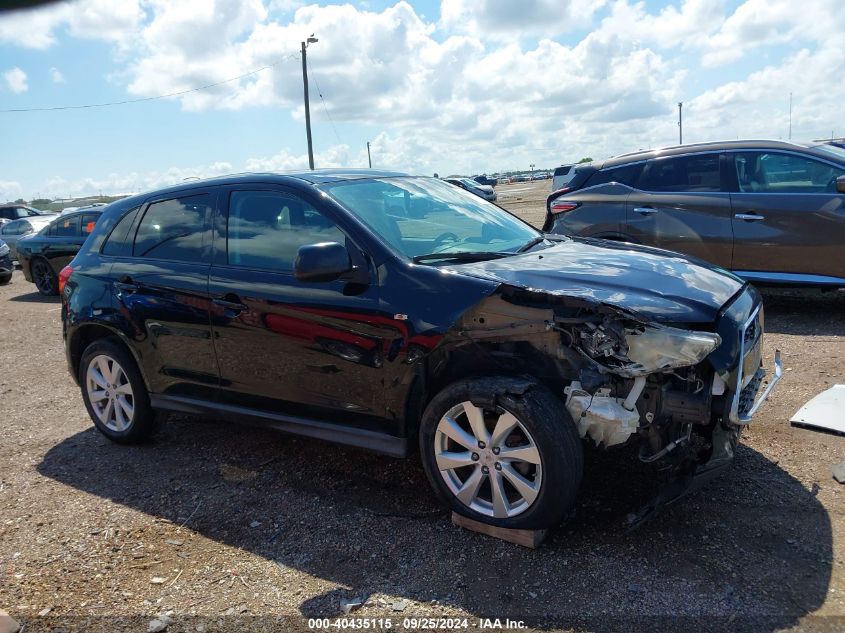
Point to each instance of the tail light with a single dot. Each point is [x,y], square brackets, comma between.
[64,275]
[562,206]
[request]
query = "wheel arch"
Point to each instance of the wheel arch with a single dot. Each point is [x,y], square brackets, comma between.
[88,333]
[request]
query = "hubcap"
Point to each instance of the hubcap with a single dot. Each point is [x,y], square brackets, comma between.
[488,460]
[110,393]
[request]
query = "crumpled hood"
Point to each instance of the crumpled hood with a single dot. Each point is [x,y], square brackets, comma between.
[658,284]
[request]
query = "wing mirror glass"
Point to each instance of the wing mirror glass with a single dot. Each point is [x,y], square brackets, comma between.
[322,262]
[840,184]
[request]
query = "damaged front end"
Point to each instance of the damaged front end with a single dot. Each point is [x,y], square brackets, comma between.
[681,394]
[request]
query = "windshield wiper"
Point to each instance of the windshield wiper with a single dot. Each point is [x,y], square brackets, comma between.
[527,247]
[466,256]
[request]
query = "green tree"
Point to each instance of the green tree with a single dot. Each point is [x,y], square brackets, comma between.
[585,160]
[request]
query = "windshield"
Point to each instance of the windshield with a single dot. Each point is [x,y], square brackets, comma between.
[836,152]
[420,216]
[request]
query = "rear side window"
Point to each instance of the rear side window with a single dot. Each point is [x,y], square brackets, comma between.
[65,227]
[18,227]
[173,229]
[684,173]
[625,174]
[117,238]
[562,171]
[267,228]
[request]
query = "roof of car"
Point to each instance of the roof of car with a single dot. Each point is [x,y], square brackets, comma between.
[711,146]
[305,176]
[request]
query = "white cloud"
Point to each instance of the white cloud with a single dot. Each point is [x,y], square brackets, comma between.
[10,190]
[506,18]
[757,23]
[92,19]
[57,76]
[488,85]
[16,80]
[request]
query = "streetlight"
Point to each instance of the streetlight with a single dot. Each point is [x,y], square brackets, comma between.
[532,171]
[680,123]
[311,40]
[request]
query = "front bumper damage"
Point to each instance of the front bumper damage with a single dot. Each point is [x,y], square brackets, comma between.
[682,394]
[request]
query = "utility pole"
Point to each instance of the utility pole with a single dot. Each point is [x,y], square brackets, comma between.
[790,116]
[680,122]
[369,158]
[305,44]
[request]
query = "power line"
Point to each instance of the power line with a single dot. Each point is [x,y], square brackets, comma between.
[320,92]
[164,96]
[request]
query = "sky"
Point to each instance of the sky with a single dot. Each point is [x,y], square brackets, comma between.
[455,86]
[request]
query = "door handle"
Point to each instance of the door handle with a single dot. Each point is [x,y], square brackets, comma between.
[645,210]
[749,217]
[230,306]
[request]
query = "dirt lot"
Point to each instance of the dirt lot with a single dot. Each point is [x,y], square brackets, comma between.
[226,527]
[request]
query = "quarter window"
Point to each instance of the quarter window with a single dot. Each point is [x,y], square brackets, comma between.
[173,229]
[684,173]
[88,222]
[117,238]
[267,228]
[625,174]
[760,172]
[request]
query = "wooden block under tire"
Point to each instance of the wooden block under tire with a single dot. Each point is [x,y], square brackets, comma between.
[526,538]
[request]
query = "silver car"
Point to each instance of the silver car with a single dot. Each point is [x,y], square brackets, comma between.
[482,191]
[13,231]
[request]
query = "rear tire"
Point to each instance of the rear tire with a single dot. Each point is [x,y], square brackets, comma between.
[44,277]
[115,394]
[5,280]
[525,468]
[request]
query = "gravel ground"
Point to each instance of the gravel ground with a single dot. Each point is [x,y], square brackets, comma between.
[224,527]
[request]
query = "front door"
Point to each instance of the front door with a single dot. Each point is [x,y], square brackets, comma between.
[681,205]
[283,343]
[787,216]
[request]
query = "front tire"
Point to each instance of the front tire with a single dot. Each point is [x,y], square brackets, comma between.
[5,280]
[502,451]
[45,278]
[115,394]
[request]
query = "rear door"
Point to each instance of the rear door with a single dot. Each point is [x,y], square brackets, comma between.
[160,272]
[282,343]
[787,216]
[681,204]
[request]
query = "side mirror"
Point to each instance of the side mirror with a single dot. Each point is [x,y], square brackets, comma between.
[321,262]
[840,184]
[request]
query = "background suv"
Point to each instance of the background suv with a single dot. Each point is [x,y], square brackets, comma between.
[773,212]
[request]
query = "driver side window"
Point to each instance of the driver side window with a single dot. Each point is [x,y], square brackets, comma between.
[768,172]
[267,228]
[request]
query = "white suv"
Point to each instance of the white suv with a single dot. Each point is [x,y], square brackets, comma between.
[562,176]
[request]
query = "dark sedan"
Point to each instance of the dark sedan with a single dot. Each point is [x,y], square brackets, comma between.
[6,266]
[773,212]
[45,253]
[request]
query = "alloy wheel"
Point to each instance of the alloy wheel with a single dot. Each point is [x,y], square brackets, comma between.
[110,393]
[43,277]
[488,460]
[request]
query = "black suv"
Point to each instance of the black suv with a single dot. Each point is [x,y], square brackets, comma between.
[392,312]
[773,212]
